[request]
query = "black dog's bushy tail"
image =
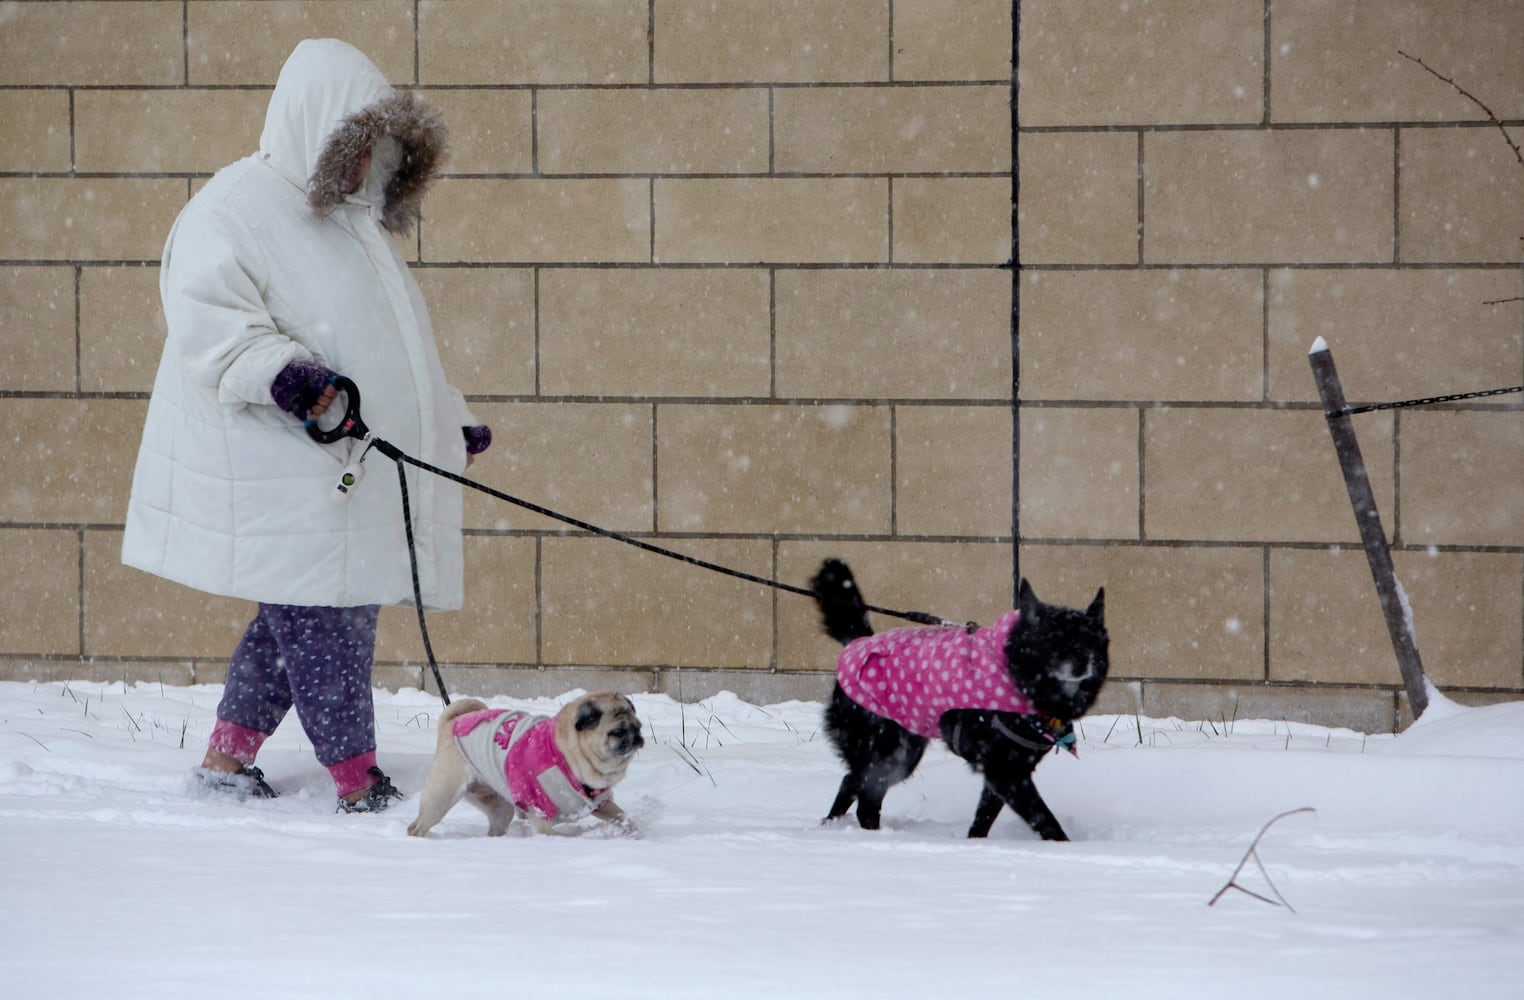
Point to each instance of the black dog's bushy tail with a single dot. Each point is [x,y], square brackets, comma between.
[842,609]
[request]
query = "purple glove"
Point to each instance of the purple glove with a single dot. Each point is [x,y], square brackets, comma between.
[299,385]
[478,438]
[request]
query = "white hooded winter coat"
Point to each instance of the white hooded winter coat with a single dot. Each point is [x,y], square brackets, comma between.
[272,263]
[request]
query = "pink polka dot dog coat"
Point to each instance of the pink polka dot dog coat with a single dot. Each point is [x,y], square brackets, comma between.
[915,675]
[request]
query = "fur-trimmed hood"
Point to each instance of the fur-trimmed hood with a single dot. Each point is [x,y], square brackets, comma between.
[330,106]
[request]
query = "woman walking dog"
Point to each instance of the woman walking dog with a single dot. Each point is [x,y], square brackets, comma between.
[278,275]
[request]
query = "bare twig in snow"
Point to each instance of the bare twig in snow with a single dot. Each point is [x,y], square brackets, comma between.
[1253,852]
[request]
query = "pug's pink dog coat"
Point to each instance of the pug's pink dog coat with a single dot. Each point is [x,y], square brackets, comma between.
[515,754]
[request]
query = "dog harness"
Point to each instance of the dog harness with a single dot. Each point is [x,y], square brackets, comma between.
[915,675]
[515,754]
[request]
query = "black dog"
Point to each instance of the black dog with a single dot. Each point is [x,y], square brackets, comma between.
[1044,673]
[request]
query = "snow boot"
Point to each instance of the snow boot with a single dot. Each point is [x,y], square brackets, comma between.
[248,782]
[376,798]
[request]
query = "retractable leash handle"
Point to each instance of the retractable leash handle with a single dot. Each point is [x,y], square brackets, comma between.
[349,425]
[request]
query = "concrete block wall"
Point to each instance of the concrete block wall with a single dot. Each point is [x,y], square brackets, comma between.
[1205,191]
[737,278]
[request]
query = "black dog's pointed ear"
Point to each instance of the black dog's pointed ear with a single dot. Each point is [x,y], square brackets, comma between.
[1027,602]
[1097,609]
[588,716]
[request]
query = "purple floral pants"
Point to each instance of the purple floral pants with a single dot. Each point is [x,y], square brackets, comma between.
[317,660]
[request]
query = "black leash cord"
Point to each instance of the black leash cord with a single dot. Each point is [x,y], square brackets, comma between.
[351,425]
[412,560]
[400,457]
[919,617]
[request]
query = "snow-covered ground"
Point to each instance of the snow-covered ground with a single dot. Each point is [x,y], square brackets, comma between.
[1408,881]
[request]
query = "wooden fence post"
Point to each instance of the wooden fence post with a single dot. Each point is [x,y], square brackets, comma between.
[1394,605]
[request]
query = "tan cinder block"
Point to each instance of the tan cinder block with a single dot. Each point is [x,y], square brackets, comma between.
[247,43]
[572,221]
[484,325]
[34,131]
[1161,335]
[1326,622]
[121,328]
[1255,475]
[1340,62]
[658,131]
[896,334]
[1298,196]
[952,220]
[92,43]
[1118,697]
[1224,706]
[1325,619]
[959,581]
[87,218]
[591,461]
[788,220]
[491,131]
[1472,699]
[609,604]
[69,461]
[774,469]
[1187,613]
[892,129]
[1462,196]
[37,329]
[406,244]
[756,41]
[497,623]
[1097,62]
[756,687]
[212,671]
[39,590]
[165,131]
[1462,478]
[1079,198]
[1079,473]
[524,41]
[132,613]
[701,332]
[390,678]
[1466,615]
[40,671]
[508,682]
[1395,334]
[952,470]
[952,40]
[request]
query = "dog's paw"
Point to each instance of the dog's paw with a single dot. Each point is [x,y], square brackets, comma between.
[621,829]
[416,829]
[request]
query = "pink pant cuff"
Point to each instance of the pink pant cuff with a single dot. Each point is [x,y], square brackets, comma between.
[353,774]
[239,742]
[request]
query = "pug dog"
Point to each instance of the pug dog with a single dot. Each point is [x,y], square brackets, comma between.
[553,771]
